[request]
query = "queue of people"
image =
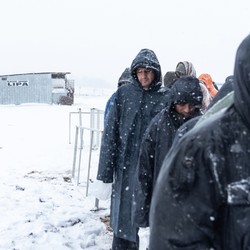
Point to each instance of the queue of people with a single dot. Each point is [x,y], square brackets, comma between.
[182,178]
[201,198]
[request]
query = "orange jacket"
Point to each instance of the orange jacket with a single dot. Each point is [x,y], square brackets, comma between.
[208,81]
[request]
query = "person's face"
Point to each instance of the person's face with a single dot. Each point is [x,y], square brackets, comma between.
[145,77]
[185,110]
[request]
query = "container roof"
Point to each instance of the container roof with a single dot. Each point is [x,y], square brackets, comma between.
[39,73]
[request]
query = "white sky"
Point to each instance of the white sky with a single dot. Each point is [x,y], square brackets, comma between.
[100,38]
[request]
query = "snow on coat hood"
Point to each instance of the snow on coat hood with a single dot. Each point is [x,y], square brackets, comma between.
[125,77]
[242,80]
[146,58]
[187,90]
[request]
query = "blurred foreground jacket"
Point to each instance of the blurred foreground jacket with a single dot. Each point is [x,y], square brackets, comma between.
[201,198]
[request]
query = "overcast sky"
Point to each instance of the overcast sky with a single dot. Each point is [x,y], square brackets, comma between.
[100,38]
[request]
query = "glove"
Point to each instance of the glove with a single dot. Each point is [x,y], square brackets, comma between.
[143,234]
[101,191]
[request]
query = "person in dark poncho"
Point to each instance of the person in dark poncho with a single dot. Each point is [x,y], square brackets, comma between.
[201,198]
[169,79]
[223,99]
[135,104]
[124,79]
[186,100]
[183,68]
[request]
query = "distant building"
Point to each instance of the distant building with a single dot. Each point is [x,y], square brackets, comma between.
[47,87]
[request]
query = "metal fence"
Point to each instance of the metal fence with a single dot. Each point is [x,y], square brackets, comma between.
[95,130]
[92,118]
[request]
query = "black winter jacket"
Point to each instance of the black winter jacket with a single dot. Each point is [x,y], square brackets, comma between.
[201,198]
[131,113]
[156,143]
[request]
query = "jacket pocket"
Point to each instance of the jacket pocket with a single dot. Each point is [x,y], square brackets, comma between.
[239,193]
[237,221]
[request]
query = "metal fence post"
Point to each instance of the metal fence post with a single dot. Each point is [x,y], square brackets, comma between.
[80,154]
[75,152]
[90,155]
[95,133]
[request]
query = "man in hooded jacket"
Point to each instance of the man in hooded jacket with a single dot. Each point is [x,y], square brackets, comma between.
[201,198]
[124,79]
[222,100]
[185,92]
[135,104]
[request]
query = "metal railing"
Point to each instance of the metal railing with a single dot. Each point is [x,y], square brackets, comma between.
[77,159]
[95,123]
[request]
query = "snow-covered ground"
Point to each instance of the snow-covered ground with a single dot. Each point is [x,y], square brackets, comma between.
[41,206]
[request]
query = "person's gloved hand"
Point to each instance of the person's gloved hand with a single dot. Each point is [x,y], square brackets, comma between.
[143,234]
[208,81]
[101,190]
